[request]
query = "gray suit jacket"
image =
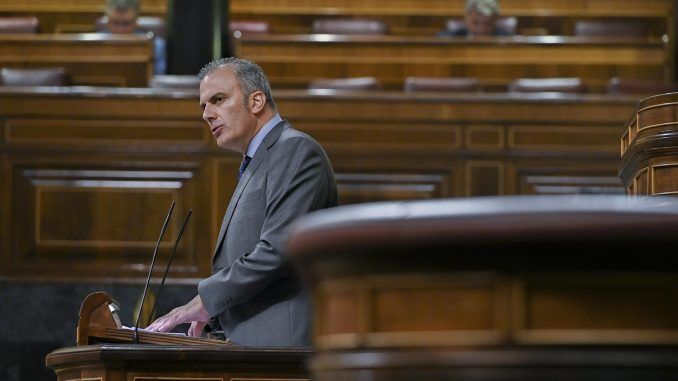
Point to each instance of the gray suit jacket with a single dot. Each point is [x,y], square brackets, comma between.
[253,290]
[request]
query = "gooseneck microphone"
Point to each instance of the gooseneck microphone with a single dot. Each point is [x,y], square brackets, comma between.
[135,338]
[169,263]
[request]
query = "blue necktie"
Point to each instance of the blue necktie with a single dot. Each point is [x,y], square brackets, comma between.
[245,160]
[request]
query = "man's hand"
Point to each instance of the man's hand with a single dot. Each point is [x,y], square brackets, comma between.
[193,312]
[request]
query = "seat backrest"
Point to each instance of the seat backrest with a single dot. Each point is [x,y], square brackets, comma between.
[358,83]
[639,86]
[144,23]
[460,84]
[505,26]
[244,27]
[19,25]
[454,26]
[535,85]
[55,76]
[350,26]
[610,28]
[179,82]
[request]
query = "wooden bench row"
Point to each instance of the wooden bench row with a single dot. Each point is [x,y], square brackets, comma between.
[88,174]
[404,16]
[295,60]
[89,59]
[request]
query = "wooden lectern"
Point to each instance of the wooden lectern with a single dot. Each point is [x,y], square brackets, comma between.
[105,352]
[99,323]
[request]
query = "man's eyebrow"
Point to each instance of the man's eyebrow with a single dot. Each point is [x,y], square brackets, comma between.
[210,99]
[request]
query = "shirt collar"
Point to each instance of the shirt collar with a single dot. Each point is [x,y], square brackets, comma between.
[259,137]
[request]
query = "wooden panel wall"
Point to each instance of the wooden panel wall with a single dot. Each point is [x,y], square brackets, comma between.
[87,175]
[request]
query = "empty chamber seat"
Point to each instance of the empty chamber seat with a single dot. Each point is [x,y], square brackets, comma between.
[33,77]
[610,28]
[350,26]
[245,27]
[179,82]
[144,23]
[504,26]
[535,85]
[19,25]
[359,83]
[460,84]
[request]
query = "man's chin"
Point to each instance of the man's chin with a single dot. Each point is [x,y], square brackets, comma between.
[227,145]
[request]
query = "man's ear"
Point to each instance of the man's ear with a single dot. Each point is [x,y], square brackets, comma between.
[257,102]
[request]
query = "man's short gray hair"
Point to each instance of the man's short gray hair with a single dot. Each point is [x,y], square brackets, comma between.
[484,7]
[122,5]
[251,77]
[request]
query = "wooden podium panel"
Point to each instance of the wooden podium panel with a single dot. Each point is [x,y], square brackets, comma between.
[196,363]
[493,288]
[108,351]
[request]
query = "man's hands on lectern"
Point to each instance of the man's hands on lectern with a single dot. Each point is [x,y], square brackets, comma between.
[193,312]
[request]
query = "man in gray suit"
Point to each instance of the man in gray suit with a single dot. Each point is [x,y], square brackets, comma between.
[253,292]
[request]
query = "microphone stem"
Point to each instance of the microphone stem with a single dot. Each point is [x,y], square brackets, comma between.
[135,338]
[169,263]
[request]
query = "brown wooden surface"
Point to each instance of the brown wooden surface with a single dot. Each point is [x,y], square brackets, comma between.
[294,60]
[404,16]
[56,16]
[89,59]
[479,364]
[97,324]
[155,362]
[412,17]
[649,148]
[583,8]
[88,174]
[414,285]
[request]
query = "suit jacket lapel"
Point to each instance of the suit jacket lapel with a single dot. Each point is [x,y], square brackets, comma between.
[257,159]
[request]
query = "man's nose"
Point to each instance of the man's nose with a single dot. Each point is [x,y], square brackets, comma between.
[208,113]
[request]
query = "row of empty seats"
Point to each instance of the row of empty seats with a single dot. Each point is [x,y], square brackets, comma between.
[521,85]
[55,76]
[59,77]
[12,25]
[507,25]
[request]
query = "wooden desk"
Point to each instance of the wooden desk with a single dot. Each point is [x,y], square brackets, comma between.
[89,59]
[493,289]
[649,148]
[154,362]
[87,174]
[294,60]
[583,8]
[412,17]
[57,16]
